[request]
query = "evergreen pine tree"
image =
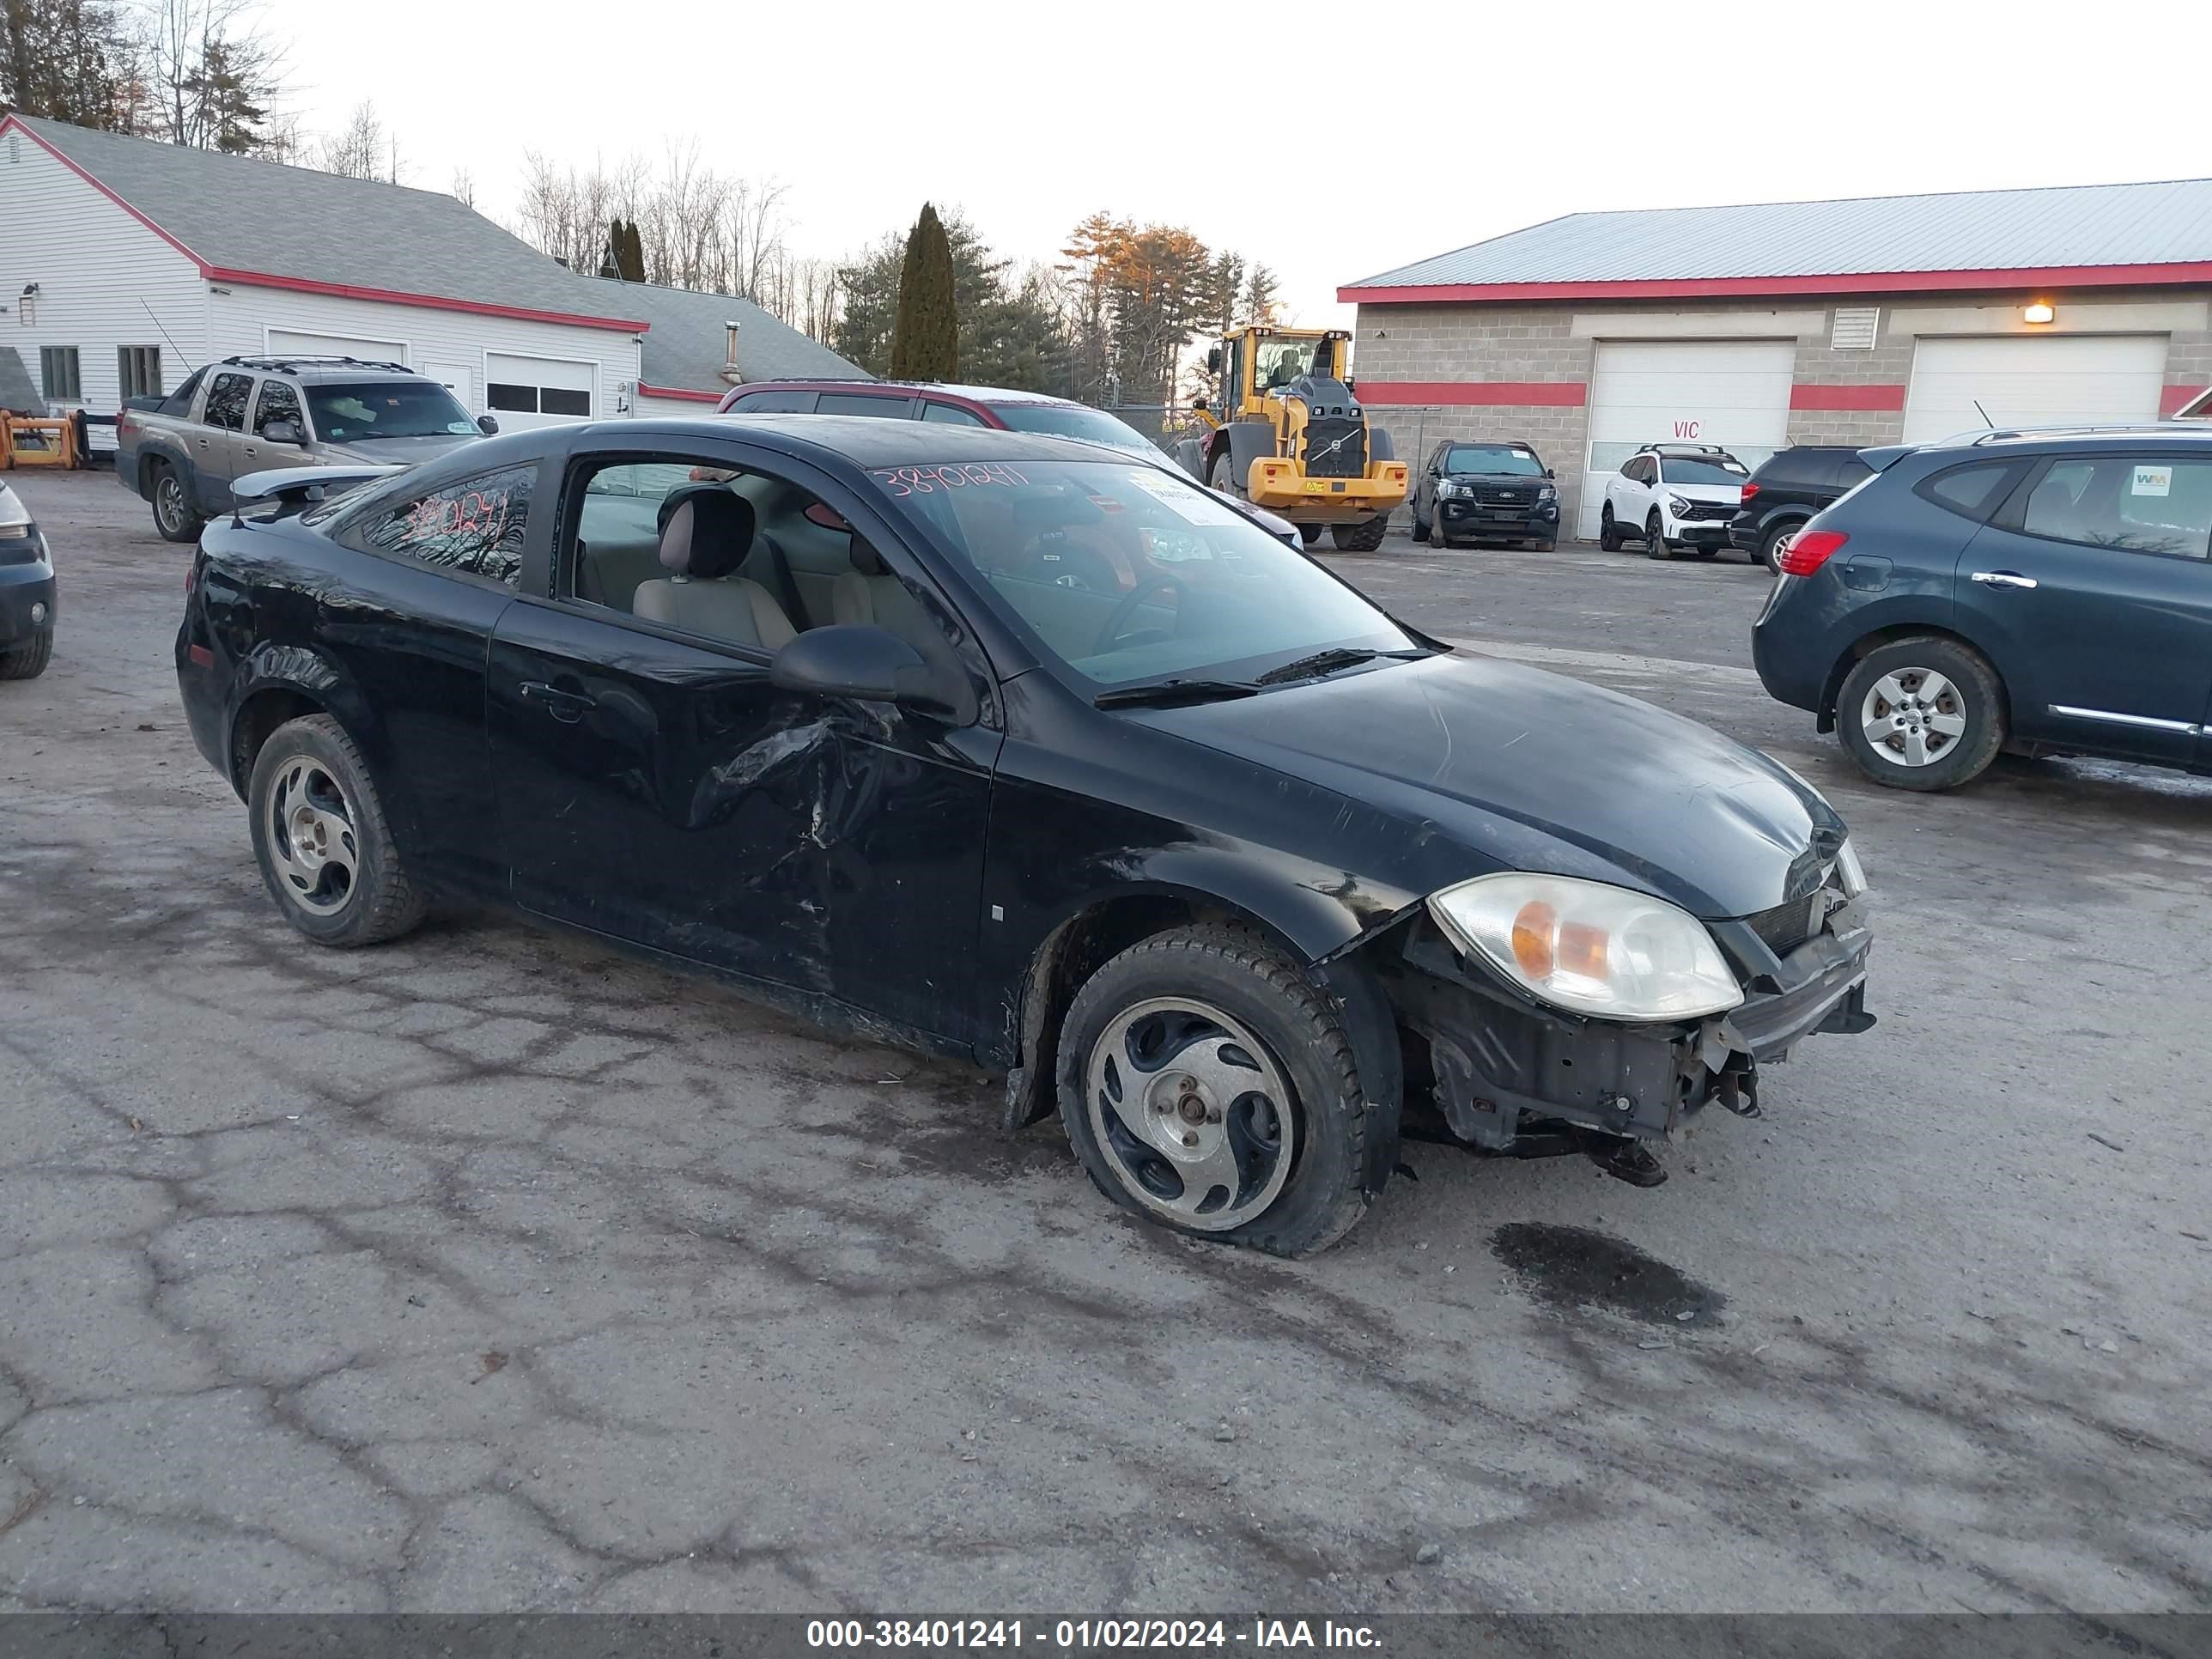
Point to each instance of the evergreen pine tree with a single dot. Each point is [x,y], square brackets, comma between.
[926,343]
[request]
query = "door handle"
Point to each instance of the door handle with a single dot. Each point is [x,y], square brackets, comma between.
[570,706]
[2002,579]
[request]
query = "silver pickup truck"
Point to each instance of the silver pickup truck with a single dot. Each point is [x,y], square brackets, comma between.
[249,414]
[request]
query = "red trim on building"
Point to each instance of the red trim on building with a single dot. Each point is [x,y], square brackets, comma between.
[427,301]
[688,396]
[1862,282]
[1553,394]
[11,124]
[2172,399]
[1885,399]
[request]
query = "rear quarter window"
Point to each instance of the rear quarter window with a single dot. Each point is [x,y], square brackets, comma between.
[1972,492]
[475,527]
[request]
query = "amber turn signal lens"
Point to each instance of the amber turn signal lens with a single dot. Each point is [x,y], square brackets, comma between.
[1582,950]
[1532,938]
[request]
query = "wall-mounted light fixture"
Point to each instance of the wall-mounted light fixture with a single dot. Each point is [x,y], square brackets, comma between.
[2038,310]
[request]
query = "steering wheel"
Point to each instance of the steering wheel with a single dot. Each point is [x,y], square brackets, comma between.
[1111,633]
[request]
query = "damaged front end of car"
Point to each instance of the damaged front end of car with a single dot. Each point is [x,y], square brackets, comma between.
[1538,1016]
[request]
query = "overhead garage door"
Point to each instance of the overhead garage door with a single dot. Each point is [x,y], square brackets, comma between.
[526,391]
[2046,380]
[1734,393]
[282,341]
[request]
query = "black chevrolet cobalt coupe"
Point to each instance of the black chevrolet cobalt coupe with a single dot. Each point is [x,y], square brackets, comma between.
[1017,750]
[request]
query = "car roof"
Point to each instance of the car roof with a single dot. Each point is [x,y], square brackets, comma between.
[2080,437]
[870,440]
[973,394]
[305,369]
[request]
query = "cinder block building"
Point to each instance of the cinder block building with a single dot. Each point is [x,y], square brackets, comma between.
[1879,320]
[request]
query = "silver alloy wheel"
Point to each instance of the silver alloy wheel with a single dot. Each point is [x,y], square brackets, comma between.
[311,836]
[1193,1116]
[1912,717]
[170,502]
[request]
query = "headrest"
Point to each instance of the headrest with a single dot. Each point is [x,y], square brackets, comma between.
[866,559]
[705,531]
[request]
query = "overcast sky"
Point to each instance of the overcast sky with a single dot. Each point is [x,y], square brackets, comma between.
[1367,136]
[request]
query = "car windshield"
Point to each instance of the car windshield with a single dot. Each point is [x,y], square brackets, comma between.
[1129,575]
[389,408]
[1093,426]
[1720,470]
[1493,458]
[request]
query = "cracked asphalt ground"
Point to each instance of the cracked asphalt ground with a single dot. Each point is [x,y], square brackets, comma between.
[492,1271]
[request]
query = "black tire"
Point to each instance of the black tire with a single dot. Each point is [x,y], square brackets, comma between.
[376,901]
[1655,539]
[1421,526]
[1973,692]
[1608,532]
[1241,976]
[174,519]
[1221,475]
[1362,537]
[1770,544]
[1308,533]
[28,659]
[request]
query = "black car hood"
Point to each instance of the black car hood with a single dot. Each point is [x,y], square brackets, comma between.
[1512,768]
[1498,478]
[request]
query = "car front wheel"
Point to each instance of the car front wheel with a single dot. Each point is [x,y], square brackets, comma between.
[1206,1085]
[319,834]
[1608,532]
[1924,712]
[1655,539]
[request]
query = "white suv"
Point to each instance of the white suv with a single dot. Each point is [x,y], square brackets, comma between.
[1672,496]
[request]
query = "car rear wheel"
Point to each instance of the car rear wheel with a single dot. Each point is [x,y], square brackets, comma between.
[1924,712]
[1655,539]
[27,660]
[1421,526]
[173,516]
[319,834]
[1207,1085]
[1308,533]
[1608,532]
[1771,544]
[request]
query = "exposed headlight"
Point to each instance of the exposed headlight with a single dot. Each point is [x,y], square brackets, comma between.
[1590,947]
[1680,506]
[1548,493]
[15,517]
[1450,489]
[1850,874]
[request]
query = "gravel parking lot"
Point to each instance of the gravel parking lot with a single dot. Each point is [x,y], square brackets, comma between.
[490,1271]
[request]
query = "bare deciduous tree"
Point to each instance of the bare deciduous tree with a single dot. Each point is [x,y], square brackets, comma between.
[357,149]
[698,227]
[211,73]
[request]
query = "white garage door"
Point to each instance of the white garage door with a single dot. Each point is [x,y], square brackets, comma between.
[1734,393]
[283,340]
[2046,380]
[527,391]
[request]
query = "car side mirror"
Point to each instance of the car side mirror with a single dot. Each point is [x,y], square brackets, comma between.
[872,664]
[1549,473]
[282,432]
[486,425]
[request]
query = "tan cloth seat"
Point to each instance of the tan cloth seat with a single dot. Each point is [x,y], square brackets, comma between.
[868,592]
[705,533]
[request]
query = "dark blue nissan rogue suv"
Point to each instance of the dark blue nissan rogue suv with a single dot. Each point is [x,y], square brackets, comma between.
[2041,592]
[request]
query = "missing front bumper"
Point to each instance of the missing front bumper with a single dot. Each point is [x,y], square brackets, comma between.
[1508,1076]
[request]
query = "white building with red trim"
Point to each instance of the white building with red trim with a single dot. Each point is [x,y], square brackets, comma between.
[126,263]
[1877,321]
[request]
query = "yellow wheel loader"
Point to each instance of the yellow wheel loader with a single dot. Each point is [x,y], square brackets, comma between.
[1287,434]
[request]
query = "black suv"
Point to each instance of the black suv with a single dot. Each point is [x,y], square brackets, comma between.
[2047,592]
[1789,488]
[1500,490]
